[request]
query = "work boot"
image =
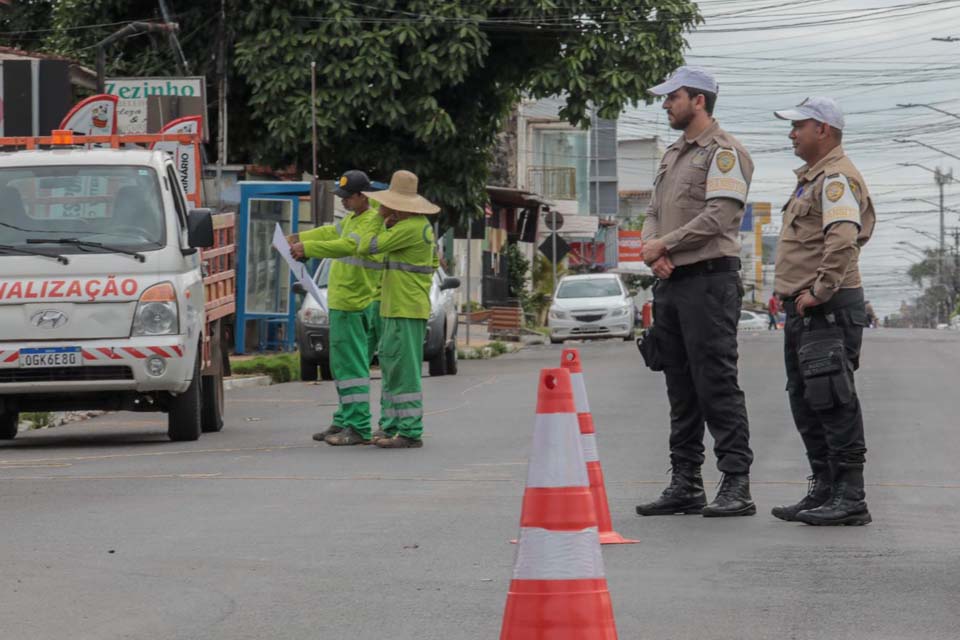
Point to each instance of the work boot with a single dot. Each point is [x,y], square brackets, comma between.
[818,492]
[684,495]
[846,505]
[345,437]
[733,498]
[379,434]
[399,442]
[331,430]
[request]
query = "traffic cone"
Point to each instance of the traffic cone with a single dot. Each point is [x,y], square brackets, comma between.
[570,360]
[559,590]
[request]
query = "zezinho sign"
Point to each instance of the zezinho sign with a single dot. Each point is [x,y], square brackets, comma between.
[133,94]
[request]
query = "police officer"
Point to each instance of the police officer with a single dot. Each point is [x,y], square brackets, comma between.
[353,293]
[407,247]
[826,221]
[691,241]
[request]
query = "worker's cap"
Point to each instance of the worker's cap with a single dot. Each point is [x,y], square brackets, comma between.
[825,110]
[693,77]
[353,182]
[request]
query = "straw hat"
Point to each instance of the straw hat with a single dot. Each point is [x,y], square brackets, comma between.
[402,195]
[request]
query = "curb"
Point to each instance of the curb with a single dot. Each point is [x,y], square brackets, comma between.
[246,382]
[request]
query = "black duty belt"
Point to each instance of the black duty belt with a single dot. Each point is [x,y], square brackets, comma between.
[842,298]
[706,267]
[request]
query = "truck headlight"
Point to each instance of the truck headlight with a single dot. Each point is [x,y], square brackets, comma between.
[157,312]
[313,316]
[557,314]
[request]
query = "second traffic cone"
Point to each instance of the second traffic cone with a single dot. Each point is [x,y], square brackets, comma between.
[559,589]
[570,360]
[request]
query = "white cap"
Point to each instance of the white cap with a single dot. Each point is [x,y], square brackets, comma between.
[825,110]
[693,77]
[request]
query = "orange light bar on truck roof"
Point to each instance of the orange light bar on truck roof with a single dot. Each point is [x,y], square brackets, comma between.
[62,137]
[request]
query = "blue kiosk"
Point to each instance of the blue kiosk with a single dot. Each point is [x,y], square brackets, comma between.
[264,285]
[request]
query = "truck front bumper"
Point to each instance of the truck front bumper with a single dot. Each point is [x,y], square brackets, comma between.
[126,364]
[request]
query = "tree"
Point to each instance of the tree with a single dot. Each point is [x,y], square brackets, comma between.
[417,84]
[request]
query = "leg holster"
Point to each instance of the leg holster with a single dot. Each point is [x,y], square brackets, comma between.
[824,366]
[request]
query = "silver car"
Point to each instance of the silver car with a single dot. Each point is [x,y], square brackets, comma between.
[439,345]
[595,305]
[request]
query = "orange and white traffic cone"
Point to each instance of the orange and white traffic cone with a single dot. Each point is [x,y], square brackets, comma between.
[559,589]
[570,360]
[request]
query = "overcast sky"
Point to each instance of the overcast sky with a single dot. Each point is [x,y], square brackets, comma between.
[870,55]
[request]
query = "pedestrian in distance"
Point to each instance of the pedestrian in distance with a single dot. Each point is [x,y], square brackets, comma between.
[691,242]
[407,248]
[826,221]
[353,292]
[773,308]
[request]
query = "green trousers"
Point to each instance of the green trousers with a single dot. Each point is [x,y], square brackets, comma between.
[401,360]
[375,324]
[350,365]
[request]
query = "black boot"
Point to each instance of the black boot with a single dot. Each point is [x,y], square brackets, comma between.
[818,492]
[733,498]
[846,505]
[684,495]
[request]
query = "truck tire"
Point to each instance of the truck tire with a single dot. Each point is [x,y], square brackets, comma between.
[326,373]
[211,419]
[9,420]
[308,369]
[184,419]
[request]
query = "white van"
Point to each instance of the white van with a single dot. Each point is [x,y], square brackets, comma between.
[102,297]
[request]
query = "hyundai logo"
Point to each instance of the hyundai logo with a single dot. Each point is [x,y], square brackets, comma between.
[49,319]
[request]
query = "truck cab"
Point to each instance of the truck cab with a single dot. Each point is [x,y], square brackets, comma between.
[102,294]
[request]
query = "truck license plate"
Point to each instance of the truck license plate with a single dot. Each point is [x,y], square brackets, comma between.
[50,357]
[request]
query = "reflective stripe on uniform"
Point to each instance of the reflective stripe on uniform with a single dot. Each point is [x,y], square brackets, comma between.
[404,397]
[404,413]
[354,398]
[353,382]
[338,227]
[360,262]
[373,245]
[558,555]
[410,268]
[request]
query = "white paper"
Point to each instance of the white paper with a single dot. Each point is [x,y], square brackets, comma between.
[298,269]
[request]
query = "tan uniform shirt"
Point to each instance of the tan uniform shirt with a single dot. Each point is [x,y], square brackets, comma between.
[699,193]
[827,219]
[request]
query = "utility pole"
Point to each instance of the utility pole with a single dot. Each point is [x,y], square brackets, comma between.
[941,179]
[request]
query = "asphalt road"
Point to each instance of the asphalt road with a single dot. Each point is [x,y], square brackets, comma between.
[109,531]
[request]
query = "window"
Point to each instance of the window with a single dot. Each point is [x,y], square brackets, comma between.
[114,204]
[590,288]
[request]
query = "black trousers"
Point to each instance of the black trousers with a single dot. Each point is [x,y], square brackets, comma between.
[696,319]
[835,435]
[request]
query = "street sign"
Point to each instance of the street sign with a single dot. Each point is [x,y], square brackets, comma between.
[546,247]
[550,222]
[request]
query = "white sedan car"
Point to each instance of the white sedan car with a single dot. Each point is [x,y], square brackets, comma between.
[752,321]
[591,306]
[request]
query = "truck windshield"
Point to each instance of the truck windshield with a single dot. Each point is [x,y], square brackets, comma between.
[116,206]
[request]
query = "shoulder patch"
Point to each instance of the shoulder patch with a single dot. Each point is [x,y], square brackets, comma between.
[725,178]
[839,201]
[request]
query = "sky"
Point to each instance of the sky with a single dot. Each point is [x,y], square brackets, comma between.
[869,55]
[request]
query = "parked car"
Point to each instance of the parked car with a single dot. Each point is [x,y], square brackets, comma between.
[439,345]
[752,321]
[595,305]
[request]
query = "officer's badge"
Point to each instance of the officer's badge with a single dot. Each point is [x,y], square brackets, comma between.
[726,161]
[343,181]
[834,191]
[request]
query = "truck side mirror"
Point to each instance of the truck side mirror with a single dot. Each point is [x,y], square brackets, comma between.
[200,228]
[299,289]
[450,283]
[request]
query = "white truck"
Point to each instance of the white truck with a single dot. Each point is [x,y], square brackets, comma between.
[106,301]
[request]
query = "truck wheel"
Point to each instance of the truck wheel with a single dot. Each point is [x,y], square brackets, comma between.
[9,421]
[183,419]
[212,416]
[325,372]
[438,363]
[308,369]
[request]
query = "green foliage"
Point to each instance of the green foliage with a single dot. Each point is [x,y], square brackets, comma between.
[487,351]
[283,367]
[423,85]
[38,419]
[518,266]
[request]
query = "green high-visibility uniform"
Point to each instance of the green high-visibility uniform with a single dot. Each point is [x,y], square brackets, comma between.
[409,260]
[353,286]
